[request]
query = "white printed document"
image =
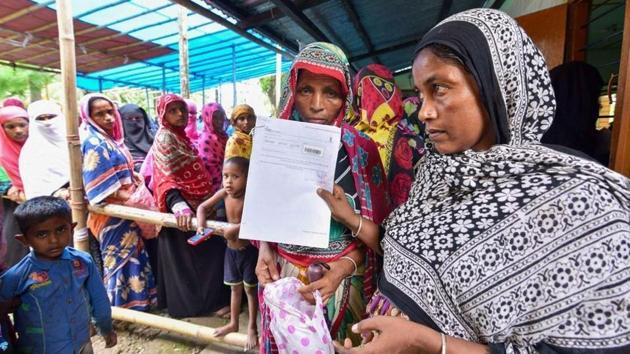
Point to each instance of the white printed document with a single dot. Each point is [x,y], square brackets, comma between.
[289,161]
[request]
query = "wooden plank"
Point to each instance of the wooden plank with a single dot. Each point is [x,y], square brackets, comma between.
[577,33]
[620,146]
[24,11]
[548,28]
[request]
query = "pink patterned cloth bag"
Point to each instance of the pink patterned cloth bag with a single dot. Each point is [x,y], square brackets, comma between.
[296,325]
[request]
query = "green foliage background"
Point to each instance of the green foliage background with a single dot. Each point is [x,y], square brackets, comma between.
[23,83]
[268,86]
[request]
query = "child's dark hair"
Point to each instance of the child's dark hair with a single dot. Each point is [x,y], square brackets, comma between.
[40,209]
[239,161]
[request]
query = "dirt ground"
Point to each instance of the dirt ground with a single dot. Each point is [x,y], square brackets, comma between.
[138,339]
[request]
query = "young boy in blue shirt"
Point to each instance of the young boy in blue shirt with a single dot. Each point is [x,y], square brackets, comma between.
[58,286]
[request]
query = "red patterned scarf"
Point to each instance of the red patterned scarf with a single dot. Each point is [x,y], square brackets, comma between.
[177,164]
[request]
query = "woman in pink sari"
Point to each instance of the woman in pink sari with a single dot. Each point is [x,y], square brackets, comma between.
[191,127]
[211,143]
[13,135]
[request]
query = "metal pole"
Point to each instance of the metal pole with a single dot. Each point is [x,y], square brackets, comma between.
[203,90]
[69,76]
[278,80]
[146,94]
[163,80]
[184,83]
[100,85]
[233,75]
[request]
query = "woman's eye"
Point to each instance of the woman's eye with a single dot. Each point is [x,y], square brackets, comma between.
[439,89]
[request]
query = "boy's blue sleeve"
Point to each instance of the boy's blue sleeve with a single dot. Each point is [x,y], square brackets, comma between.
[101,310]
[8,285]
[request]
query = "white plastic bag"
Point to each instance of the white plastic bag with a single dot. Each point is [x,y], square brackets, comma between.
[296,325]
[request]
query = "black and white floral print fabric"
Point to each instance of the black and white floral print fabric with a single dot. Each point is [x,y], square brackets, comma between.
[518,245]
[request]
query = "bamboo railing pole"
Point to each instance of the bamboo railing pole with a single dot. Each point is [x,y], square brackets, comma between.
[183,52]
[180,327]
[68,75]
[149,216]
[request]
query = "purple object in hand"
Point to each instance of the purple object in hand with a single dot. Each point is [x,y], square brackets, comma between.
[316,271]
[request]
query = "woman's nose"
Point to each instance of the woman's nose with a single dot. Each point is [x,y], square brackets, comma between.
[317,102]
[427,111]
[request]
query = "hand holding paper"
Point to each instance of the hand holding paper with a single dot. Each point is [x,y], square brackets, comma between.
[290,161]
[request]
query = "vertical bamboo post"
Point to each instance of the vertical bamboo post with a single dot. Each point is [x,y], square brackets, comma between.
[278,81]
[183,52]
[68,74]
[620,146]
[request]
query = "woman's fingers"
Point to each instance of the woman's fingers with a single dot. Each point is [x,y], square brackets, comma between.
[326,196]
[370,324]
[266,268]
[338,192]
[189,225]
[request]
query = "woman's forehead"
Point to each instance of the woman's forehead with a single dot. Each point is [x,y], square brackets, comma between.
[307,77]
[177,104]
[101,103]
[16,120]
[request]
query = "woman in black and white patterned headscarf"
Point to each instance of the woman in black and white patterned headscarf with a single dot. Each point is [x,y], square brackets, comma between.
[504,245]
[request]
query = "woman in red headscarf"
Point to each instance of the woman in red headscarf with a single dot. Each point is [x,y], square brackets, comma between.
[191,277]
[319,91]
[13,135]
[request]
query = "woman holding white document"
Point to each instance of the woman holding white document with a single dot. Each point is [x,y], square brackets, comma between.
[319,91]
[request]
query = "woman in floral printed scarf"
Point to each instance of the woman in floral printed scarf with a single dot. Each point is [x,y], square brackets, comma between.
[319,92]
[382,115]
[108,177]
[504,245]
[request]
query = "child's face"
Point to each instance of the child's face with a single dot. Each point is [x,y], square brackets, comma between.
[234,180]
[176,114]
[48,238]
[245,123]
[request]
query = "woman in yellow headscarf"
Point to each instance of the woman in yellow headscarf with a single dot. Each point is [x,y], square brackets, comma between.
[243,120]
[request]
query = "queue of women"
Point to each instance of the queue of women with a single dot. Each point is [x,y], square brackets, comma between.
[453,229]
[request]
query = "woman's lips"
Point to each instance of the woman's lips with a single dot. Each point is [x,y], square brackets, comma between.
[317,120]
[436,134]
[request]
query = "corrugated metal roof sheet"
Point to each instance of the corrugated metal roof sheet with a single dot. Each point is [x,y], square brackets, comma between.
[28,34]
[117,39]
[132,43]
[392,27]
